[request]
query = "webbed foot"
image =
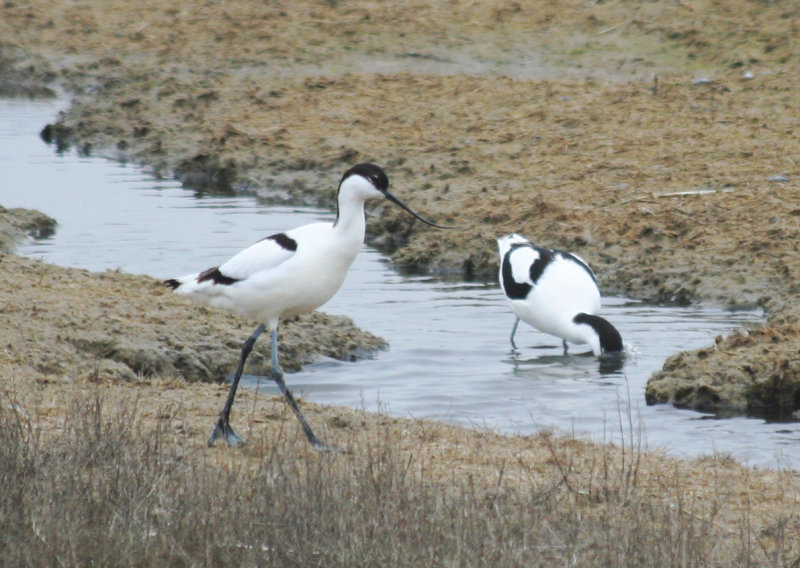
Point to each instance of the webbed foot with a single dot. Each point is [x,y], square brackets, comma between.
[223,430]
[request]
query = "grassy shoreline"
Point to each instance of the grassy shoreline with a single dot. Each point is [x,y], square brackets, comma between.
[580,124]
[104,468]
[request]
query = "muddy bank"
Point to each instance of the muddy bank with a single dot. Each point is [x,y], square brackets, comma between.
[732,515]
[66,325]
[751,372]
[657,141]
[18,224]
[74,342]
[664,209]
[85,349]
[21,76]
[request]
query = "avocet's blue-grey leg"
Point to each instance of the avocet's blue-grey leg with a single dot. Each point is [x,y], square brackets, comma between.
[564,343]
[513,332]
[276,375]
[223,428]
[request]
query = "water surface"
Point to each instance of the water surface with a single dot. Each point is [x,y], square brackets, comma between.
[450,356]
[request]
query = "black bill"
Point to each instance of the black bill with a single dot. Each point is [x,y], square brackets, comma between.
[396,201]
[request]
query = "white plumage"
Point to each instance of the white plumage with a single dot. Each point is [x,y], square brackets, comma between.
[271,281]
[555,292]
[290,273]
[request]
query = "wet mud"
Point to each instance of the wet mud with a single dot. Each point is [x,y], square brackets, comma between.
[658,141]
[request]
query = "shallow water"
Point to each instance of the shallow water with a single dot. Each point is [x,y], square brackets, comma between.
[450,356]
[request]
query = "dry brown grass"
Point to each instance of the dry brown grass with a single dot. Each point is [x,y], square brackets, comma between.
[111,487]
[247,87]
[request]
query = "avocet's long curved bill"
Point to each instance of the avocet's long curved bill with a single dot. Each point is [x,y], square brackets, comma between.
[399,203]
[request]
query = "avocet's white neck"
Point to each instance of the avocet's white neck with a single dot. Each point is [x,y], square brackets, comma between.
[350,218]
[354,190]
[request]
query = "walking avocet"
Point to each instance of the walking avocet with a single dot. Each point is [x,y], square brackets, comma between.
[287,274]
[556,292]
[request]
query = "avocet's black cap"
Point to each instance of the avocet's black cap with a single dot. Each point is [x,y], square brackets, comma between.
[380,180]
[373,173]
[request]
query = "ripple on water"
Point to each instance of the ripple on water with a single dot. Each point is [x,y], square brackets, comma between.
[449,355]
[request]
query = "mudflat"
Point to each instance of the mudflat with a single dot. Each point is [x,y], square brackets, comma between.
[657,140]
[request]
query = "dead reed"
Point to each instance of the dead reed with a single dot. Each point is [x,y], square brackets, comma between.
[112,489]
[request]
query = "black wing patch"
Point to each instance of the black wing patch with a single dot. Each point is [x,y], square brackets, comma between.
[216,277]
[546,256]
[284,241]
[519,290]
[513,289]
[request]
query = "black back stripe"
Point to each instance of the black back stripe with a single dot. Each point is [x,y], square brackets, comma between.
[582,264]
[546,256]
[519,290]
[284,241]
[216,277]
[513,289]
